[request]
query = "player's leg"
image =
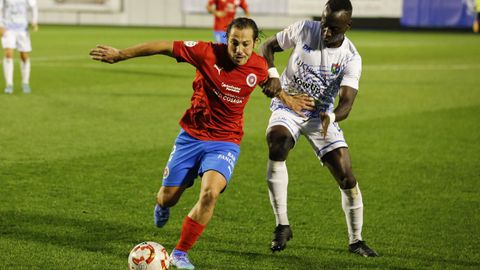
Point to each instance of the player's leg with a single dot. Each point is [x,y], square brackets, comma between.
[167,197]
[179,174]
[476,22]
[193,225]
[8,70]
[339,163]
[25,70]
[279,141]
[217,165]
[24,47]
[8,44]
[282,132]
[332,150]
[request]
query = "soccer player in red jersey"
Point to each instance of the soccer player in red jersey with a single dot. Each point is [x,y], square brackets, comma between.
[212,128]
[224,12]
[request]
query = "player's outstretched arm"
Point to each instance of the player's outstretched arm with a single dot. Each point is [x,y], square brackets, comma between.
[272,87]
[112,55]
[345,103]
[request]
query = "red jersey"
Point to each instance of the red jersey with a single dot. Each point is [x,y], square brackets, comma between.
[230,8]
[221,90]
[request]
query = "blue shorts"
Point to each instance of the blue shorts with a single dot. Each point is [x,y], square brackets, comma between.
[192,157]
[220,37]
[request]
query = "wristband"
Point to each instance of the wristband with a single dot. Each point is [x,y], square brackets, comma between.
[331,116]
[273,73]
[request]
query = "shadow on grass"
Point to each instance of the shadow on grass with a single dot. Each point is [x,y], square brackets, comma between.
[84,233]
[283,260]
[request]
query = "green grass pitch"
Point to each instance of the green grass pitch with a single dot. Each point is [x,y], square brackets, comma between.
[81,160]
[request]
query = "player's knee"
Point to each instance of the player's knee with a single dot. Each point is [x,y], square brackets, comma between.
[166,199]
[347,182]
[208,198]
[23,57]
[277,153]
[279,144]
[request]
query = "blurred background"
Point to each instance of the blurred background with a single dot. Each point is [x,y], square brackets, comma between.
[453,14]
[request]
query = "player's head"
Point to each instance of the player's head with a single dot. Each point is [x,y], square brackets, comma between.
[242,36]
[336,20]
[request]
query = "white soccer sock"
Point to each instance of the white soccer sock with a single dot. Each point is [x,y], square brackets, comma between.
[277,179]
[352,205]
[25,68]
[8,70]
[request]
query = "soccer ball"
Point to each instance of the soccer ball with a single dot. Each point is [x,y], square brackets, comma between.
[148,256]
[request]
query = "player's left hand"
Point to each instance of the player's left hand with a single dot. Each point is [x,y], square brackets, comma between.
[105,54]
[34,27]
[325,123]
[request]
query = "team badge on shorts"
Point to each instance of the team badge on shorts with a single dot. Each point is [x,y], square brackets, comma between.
[190,43]
[251,79]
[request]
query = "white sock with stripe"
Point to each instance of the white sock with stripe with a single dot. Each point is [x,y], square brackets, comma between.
[25,68]
[277,179]
[352,205]
[8,70]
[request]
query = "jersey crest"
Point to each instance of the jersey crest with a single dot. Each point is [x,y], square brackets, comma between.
[190,43]
[251,80]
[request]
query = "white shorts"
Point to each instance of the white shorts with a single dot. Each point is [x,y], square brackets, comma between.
[311,128]
[19,40]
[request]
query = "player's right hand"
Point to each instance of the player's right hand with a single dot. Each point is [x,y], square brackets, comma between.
[298,102]
[272,87]
[105,54]
[2,31]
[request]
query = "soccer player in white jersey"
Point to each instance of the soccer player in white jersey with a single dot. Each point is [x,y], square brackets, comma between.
[323,64]
[15,35]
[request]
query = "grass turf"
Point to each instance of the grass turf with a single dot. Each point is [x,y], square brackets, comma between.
[81,160]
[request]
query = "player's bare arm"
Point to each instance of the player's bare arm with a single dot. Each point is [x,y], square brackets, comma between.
[247,12]
[113,55]
[272,87]
[345,103]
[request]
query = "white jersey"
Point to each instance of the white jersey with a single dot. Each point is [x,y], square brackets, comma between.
[14,14]
[314,69]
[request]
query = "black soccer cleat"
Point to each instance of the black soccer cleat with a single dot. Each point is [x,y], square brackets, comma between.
[362,249]
[282,234]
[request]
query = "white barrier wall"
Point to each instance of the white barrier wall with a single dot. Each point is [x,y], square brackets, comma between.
[191,13]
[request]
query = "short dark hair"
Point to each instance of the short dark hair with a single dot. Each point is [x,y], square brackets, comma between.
[243,23]
[339,5]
